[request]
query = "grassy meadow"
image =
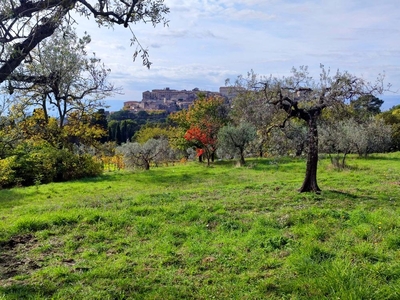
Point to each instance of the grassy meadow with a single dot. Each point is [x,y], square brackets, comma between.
[194,232]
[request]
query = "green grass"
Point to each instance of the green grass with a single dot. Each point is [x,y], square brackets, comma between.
[196,232]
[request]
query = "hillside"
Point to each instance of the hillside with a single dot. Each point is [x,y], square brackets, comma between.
[194,232]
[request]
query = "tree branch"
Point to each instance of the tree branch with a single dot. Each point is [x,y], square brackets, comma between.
[38,34]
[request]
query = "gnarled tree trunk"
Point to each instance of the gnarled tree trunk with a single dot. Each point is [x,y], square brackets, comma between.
[310,181]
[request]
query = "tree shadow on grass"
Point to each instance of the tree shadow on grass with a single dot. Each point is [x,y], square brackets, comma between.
[166,175]
[154,175]
[12,197]
[379,157]
[340,195]
[109,177]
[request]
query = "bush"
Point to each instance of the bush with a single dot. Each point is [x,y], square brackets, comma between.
[70,166]
[7,172]
[34,163]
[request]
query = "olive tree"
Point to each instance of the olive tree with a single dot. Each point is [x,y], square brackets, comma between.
[335,139]
[234,140]
[142,155]
[248,106]
[75,81]
[75,86]
[371,136]
[301,96]
[353,136]
[26,23]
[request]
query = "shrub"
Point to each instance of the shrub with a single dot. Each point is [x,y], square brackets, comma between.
[7,172]
[70,166]
[34,163]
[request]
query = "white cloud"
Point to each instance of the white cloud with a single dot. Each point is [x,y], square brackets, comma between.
[209,40]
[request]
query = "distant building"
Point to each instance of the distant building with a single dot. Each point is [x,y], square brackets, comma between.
[169,100]
[133,105]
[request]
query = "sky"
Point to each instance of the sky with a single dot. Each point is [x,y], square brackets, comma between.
[207,42]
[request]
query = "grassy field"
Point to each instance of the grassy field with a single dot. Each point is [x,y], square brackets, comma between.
[196,232]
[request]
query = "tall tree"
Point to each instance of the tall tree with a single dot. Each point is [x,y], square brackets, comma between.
[302,97]
[100,119]
[248,106]
[75,82]
[367,104]
[24,24]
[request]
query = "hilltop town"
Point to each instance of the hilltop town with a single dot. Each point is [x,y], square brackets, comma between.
[171,100]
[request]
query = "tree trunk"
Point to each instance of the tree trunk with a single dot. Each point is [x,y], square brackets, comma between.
[299,149]
[242,161]
[310,181]
[260,151]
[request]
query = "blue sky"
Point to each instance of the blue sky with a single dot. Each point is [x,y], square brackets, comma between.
[208,41]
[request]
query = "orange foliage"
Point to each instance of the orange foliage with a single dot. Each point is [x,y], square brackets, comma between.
[112,163]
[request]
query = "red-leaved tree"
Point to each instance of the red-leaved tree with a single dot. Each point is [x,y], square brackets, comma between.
[203,139]
[200,124]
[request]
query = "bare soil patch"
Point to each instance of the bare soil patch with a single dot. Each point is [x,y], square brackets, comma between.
[14,257]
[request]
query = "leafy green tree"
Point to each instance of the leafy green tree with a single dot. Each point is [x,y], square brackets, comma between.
[151,132]
[99,119]
[122,131]
[118,135]
[392,117]
[367,105]
[234,140]
[25,24]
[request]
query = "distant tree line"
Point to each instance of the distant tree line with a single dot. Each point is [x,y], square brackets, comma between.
[123,125]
